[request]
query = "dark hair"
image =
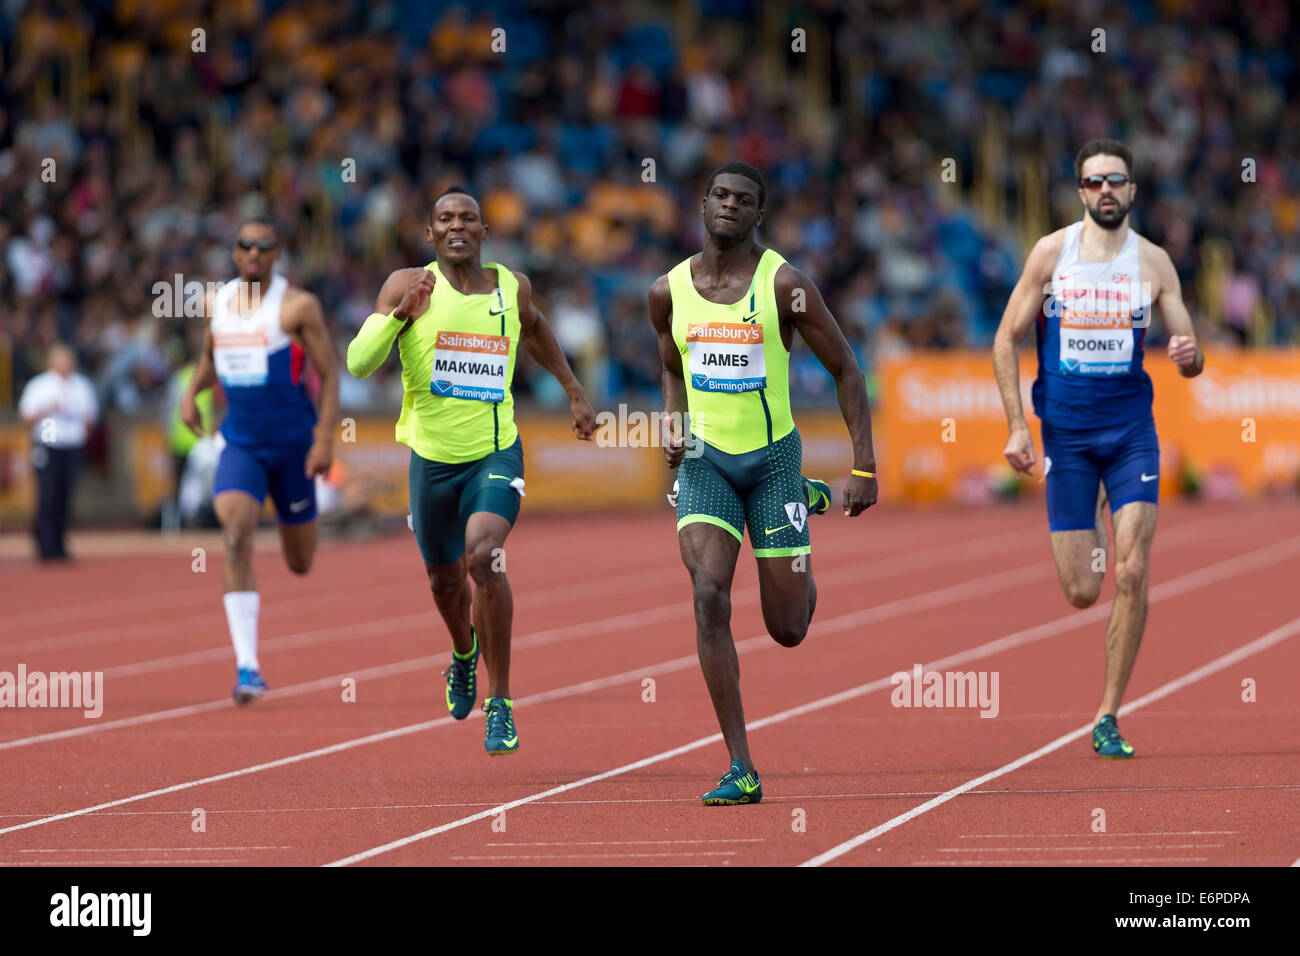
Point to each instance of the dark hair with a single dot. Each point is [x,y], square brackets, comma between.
[262,220]
[741,169]
[1103,147]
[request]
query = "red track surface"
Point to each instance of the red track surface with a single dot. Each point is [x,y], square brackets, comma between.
[602,604]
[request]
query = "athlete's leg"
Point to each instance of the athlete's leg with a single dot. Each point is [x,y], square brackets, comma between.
[298,542]
[1081,559]
[293,492]
[494,605]
[238,511]
[789,597]
[1135,526]
[776,512]
[1131,472]
[453,595]
[709,553]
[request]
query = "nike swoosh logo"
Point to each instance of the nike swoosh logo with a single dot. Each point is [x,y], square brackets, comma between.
[512,741]
[1146,477]
[492,311]
[502,477]
[747,783]
[299,505]
[750,318]
[776,529]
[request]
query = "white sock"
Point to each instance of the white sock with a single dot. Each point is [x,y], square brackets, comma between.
[241,615]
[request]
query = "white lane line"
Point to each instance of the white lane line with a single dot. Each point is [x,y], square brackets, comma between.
[634,842]
[1075,836]
[1118,859]
[1059,849]
[324,683]
[157,849]
[1275,636]
[605,626]
[175,861]
[1194,579]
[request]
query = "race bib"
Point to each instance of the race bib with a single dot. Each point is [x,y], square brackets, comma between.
[1096,343]
[240,358]
[470,366]
[726,357]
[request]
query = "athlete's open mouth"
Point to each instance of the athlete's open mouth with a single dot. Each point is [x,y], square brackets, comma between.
[457,242]
[727,218]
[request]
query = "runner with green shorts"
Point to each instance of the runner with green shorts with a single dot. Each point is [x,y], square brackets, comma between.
[726,319]
[458,323]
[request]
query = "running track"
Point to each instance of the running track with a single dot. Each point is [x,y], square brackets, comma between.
[604,777]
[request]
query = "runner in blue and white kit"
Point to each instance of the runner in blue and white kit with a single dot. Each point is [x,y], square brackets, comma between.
[1088,290]
[260,333]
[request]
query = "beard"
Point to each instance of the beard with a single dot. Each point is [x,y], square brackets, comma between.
[1109,218]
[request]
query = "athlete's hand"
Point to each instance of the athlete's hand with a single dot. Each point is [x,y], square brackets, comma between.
[674,444]
[1182,351]
[320,458]
[584,418]
[190,413]
[859,495]
[415,300]
[1020,451]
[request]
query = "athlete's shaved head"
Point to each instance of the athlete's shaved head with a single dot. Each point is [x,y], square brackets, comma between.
[742,169]
[455,191]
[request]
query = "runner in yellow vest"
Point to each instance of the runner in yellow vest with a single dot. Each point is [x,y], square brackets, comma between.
[726,319]
[458,323]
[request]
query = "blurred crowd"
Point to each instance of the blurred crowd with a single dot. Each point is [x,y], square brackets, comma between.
[136,134]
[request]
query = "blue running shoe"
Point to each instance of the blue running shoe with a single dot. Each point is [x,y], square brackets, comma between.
[819,496]
[500,737]
[1107,741]
[737,786]
[248,687]
[462,675]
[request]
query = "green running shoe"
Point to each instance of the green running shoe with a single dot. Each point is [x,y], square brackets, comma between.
[500,737]
[737,786]
[1107,741]
[462,675]
[819,495]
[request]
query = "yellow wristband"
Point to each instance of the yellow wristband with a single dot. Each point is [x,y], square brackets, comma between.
[863,474]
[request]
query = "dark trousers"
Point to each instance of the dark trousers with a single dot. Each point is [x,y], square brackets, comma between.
[56,469]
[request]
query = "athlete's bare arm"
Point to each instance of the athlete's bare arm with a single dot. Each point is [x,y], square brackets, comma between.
[406,294]
[537,337]
[205,373]
[674,383]
[1023,309]
[799,301]
[303,319]
[1183,350]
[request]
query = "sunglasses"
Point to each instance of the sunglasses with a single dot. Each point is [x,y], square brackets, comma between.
[266,245]
[1094,181]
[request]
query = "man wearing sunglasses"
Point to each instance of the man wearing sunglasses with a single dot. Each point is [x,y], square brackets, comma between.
[1088,290]
[261,331]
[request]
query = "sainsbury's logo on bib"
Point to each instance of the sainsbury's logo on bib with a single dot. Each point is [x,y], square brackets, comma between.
[726,357]
[470,366]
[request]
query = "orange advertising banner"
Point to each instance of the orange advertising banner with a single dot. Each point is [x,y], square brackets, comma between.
[1233,431]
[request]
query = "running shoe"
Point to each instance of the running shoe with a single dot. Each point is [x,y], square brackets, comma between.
[819,496]
[249,686]
[500,736]
[737,786]
[1107,741]
[462,674]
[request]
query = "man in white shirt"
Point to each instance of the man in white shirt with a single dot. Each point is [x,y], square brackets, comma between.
[60,407]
